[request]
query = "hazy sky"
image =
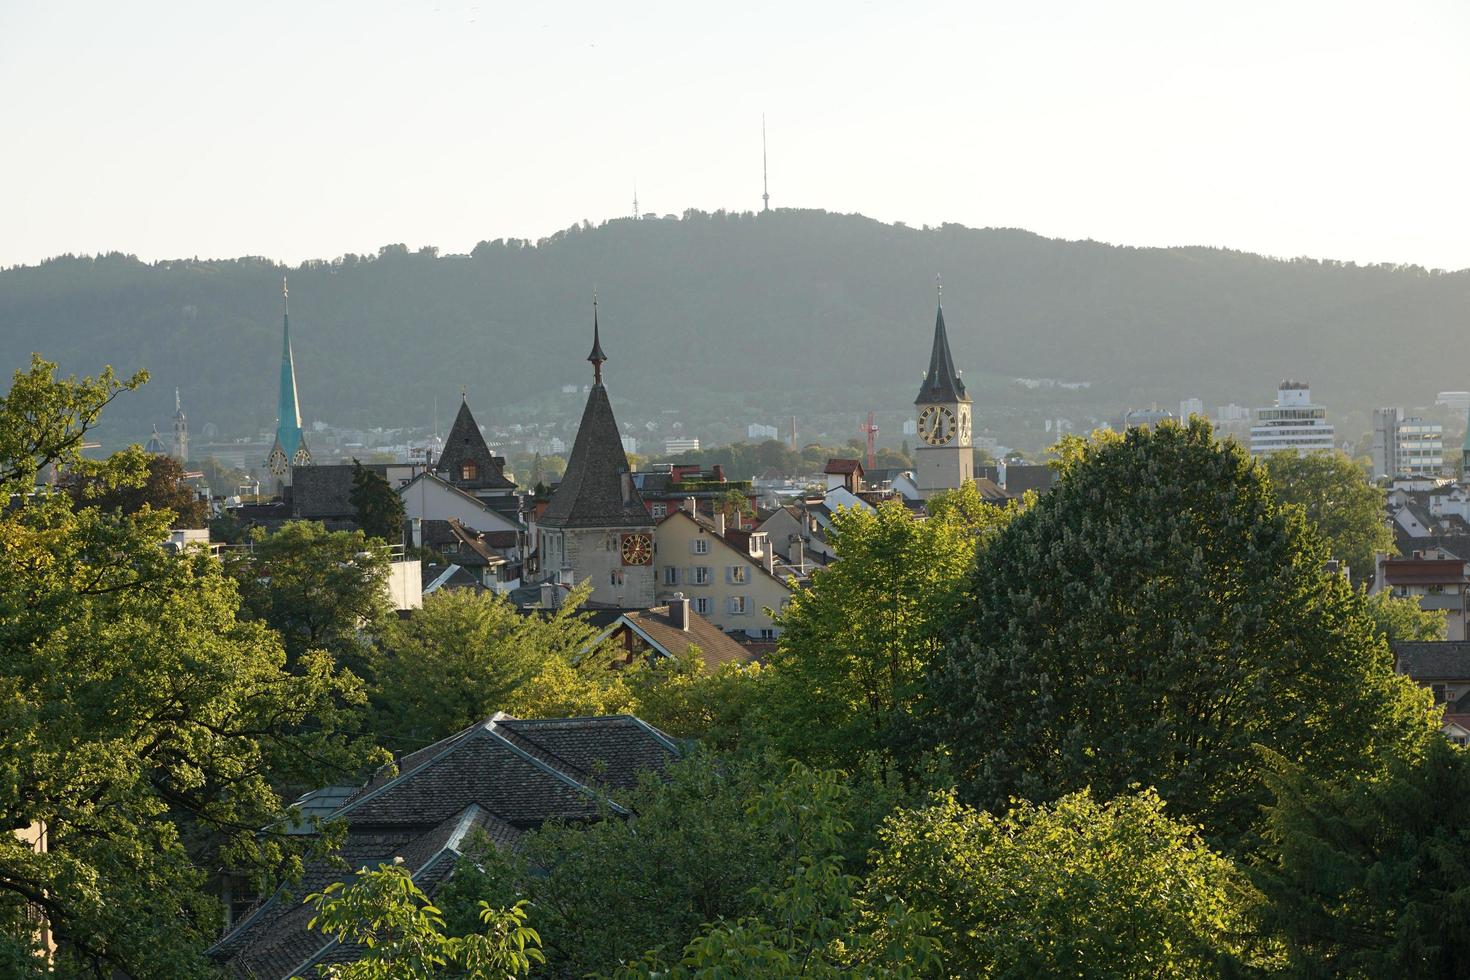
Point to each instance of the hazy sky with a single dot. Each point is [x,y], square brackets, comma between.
[308,129]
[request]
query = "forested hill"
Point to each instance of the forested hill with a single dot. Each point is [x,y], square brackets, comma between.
[788,306]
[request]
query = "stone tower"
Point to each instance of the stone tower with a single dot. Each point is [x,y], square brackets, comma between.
[944,458]
[596,527]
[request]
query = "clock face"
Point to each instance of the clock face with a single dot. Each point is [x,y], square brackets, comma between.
[277,462]
[302,457]
[936,425]
[964,427]
[637,549]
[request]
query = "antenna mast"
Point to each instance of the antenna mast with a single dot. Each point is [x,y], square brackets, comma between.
[871,431]
[765,173]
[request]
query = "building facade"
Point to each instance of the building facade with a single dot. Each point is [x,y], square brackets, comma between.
[731,582]
[1293,424]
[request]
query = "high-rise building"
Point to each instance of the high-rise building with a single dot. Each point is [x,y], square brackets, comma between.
[289,448]
[1406,446]
[945,459]
[1292,424]
[1385,442]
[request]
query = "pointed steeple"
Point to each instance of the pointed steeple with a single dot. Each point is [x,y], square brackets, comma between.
[466,460]
[288,406]
[942,382]
[597,357]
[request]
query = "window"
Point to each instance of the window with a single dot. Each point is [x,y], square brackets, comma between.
[469,470]
[671,575]
[701,605]
[737,605]
[660,510]
[736,575]
[701,575]
[768,633]
[1439,693]
[701,546]
[615,577]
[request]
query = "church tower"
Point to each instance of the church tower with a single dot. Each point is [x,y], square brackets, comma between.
[596,527]
[180,448]
[290,446]
[944,458]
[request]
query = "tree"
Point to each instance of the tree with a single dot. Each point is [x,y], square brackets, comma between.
[404,938]
[143,726]
[1336,497]
[1078,888]
[815,922]
[464,656]
[320,589]
[163,488]
[379,508]
[1400,618]
[1151,620]
[855,645]
[1368,876]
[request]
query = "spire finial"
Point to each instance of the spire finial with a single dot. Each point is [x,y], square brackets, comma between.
[597,357]
[939,288]
[178,406]
[462,396]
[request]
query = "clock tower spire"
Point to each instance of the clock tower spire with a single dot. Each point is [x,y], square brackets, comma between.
[944,458]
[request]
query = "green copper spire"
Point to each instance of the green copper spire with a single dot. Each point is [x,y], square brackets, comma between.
[288,409]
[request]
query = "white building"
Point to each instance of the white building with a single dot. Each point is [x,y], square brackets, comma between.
[673,446]
[1456,401]
[1191,406]
[1409,446]
[755,431]
[1292,424]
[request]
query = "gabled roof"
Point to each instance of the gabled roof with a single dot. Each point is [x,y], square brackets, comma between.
[466,444]
[942,382]
[843,467]
[325,490]
[501,776]
[481,504]
[596,490]
[656,627]
[709,526]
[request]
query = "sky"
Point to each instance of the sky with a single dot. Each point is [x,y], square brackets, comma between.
[295,130]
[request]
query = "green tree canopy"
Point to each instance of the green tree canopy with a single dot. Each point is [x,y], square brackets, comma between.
[1334,493]
[379,508]
[1078,888]
[320,589]
[1152,619]
[143,726]
[163,488]
[1371,877]
[855,645]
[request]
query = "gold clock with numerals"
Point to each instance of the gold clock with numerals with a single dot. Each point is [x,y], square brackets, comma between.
[936,425]
[637,549]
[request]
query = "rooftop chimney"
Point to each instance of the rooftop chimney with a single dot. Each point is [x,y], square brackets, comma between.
[720,523]
[679,611]
[690,506]
[548,595]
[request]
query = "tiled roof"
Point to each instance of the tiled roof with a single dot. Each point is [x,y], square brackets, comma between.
[716,647]
[1434,660]
[842,467]
[990,491]
[1423,571]
[502,776]
[942,382]
[595,491]
[466,444]
[1021,477]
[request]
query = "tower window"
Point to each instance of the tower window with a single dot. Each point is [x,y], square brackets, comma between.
[469,470]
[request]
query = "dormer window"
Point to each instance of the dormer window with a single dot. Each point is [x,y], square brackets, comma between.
[469,470]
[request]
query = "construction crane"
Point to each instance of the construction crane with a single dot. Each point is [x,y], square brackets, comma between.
[871,431]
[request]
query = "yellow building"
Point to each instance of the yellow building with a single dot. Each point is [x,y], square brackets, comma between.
[730,580]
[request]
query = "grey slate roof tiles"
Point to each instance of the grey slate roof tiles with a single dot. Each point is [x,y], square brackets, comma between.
[595,491]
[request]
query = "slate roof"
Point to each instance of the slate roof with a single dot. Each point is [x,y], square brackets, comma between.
[465,443]
[990,491]
[843,467]
[942,382]
[594,491]
[502,776]
[321,492]
[1021,477]
[1433,660]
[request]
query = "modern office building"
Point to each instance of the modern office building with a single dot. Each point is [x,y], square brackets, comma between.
[1292,424]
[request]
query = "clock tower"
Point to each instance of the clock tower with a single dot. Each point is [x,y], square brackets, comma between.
[944,458]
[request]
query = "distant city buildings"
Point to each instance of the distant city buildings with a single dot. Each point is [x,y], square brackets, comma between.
[1292,424]
[1191,406]
[1406,446]
[1456,401]
[675,446]
[756,431]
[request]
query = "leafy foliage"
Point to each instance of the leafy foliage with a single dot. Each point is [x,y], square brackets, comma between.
[379,508]
[855,645]
[404,934]
[1334,493]
[143,726]
[1152,619]
[1371,877]
[319,589]
[1078,888]
[163,488]
[1400,618]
